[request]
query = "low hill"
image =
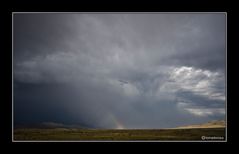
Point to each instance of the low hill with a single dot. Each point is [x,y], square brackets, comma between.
[211,124]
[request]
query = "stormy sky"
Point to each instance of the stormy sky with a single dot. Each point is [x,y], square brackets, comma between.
[119,70]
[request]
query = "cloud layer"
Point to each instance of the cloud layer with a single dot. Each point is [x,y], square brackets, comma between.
[119,70]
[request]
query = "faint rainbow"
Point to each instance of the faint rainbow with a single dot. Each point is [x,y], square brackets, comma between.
[117,123]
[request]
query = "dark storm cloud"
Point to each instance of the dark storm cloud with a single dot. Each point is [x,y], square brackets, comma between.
[39,34]
[119,70]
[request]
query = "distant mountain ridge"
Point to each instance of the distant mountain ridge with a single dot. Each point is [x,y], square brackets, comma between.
[54,125]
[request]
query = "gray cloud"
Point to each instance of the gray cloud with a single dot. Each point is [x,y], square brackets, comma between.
[119,70]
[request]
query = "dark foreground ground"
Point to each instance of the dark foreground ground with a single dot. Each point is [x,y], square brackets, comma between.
[60,134]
